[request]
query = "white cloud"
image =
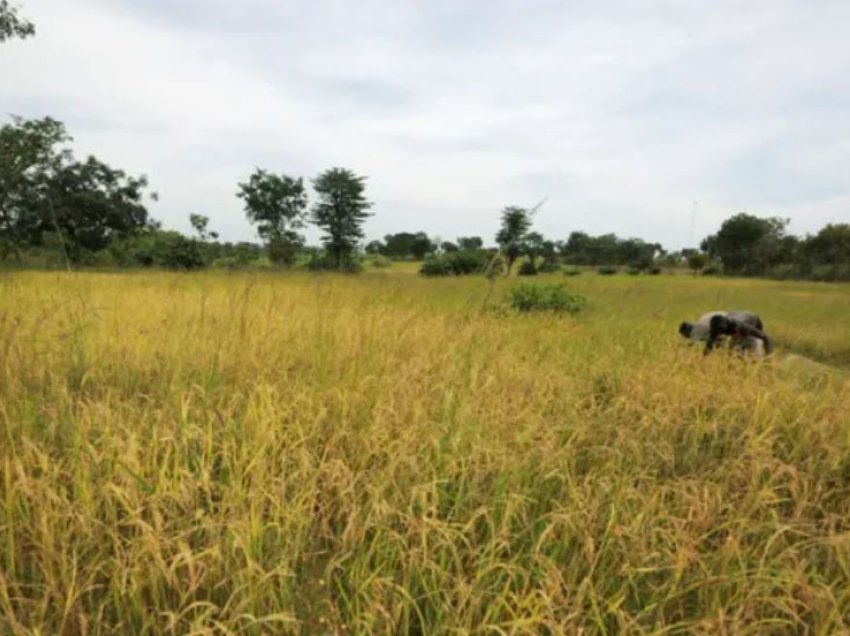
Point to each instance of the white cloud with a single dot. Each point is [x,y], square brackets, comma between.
[621,113]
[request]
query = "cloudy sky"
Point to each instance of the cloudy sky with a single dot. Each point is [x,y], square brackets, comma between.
[627,115]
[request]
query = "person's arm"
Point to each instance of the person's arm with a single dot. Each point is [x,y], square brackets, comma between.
[718,327]
[747,330]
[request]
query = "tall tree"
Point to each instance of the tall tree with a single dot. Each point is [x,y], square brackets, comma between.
[516,222]
[747,244]
[89,204]
[340,211]
[277,204]
[533,245]
[830,246]
[12,25]
[31,151]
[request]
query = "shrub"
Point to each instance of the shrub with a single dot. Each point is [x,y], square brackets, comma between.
[226,262]
[262,262]
[711,271]
[320,262]
[654,270]
[548,267]
[436,266]
[786,271]
[455,263]
[827,273]
[606,270]
[633,271]
[527,269]
[379,260]
[554,297]
[572,271]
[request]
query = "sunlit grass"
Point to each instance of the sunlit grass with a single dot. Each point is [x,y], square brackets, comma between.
[285,453]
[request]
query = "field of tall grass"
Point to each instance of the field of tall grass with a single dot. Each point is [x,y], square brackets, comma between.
[294,453]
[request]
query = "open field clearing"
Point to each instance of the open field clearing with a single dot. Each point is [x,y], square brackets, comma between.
[290,453]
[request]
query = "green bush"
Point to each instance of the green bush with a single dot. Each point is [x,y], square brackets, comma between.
[436,266]
[711,271]
[379,260]
[262,262]
[455,263]
[527,269]
[831,273]
[548,267]
[572,271]
[654,270]
[225,262]
[606,270]
[633,271]
[553,297]
[320,262]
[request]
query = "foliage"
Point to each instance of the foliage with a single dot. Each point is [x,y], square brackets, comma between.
[607,249]
[158,248]
[381,261]
[225,262]
[516,222]
[200,224]
[747,244]
[31,151]
[340,211]
[527,269]
[470,243]
[696,261]
[277,204]
[91,205]
[551,297]
[321,262]
[44,190]
[829,247]
[455,263]
[12,25]
[407,245]
[606,270]
[572,271]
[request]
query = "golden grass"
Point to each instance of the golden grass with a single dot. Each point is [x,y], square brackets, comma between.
[264,454]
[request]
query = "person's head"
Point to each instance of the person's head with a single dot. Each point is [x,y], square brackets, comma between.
[685,329]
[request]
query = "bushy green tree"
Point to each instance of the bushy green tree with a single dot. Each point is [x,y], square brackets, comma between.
[747,244]
[516,222]
[277,204]
[31,151]
[340,210]
[43,190]
[470,242]
[414,245]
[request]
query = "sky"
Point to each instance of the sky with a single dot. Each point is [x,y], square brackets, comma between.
[647,118]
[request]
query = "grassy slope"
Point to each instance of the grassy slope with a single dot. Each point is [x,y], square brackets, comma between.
[375,454]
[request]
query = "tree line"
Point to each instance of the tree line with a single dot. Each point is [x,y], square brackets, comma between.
[56,207]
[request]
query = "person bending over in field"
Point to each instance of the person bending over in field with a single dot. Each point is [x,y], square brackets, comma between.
[744,329]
